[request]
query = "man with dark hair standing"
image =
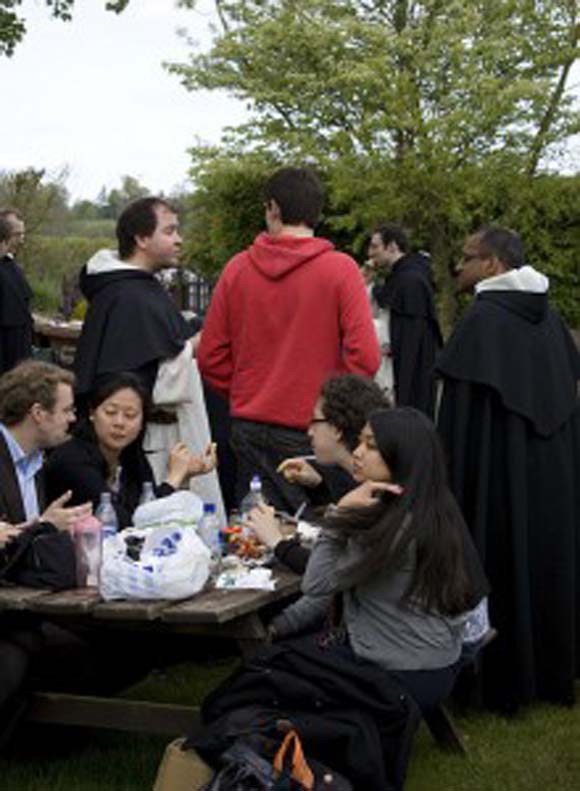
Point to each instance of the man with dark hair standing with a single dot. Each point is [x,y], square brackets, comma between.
[405,305]
[15,294]
[132,324]
[510,419]
[286,313]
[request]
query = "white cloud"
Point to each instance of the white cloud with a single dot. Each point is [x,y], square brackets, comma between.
[93,95]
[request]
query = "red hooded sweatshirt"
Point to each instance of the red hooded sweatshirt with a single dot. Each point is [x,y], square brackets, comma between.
[285,315]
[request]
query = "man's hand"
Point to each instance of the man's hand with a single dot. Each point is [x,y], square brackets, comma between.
[368,271]
[195,341]
[367,494]
[8,532]
[64,518]
[297,470]
[265,525]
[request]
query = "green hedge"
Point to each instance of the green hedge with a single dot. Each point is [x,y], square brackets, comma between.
[48,259]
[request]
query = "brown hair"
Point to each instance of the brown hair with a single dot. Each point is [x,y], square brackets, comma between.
[30,382]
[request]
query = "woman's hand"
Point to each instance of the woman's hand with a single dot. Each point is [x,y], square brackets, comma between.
[182,464]
[297,470]
[206,462]
[178,465]
[265,525]
[368,493]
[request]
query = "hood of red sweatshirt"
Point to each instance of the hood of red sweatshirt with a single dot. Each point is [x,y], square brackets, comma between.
[276,256]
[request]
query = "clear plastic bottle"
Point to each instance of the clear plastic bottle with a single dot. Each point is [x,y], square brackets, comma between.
[88,544]
[209,529]
[253,498]
[147,493]
[107,515]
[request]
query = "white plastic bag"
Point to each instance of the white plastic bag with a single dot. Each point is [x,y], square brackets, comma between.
[178,510]
[173,562]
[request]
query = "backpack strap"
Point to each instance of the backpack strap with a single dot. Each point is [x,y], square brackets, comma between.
[300,770]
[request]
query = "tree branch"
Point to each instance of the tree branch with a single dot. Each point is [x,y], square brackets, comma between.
[540,139]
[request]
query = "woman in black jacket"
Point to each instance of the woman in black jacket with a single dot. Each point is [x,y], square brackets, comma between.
[105,453]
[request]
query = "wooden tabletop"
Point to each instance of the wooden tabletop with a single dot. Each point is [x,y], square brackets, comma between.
[211,607]
[58,330]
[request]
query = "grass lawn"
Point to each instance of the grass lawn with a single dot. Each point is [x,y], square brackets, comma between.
[538,751]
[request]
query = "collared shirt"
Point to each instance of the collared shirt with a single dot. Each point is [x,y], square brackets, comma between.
[26,465]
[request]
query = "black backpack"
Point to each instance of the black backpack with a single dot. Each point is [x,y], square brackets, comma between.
[39,557]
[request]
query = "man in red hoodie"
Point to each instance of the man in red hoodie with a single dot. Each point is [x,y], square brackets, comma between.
[287,313]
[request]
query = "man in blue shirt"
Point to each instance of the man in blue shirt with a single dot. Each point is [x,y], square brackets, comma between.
[36,410]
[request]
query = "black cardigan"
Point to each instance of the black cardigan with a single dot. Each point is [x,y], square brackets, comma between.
[80,466]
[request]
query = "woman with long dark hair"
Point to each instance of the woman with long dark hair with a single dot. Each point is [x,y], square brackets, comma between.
[105,452]
[397,558]
[395,567]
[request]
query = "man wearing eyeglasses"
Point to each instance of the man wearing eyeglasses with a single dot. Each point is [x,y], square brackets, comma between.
[15,294]
[510,419]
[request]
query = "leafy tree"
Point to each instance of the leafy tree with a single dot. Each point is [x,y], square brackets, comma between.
[13,27]
[42,201]
[111,203]
[226,211]
[425,112]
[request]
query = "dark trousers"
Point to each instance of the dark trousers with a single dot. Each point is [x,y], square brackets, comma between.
[259,449]
[428,688]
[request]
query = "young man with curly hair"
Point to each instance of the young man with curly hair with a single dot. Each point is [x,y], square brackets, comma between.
[340,412]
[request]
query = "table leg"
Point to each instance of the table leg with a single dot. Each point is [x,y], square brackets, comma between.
[252,636]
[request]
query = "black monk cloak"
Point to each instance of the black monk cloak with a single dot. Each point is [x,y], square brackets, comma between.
[15,318]
[510,420]
[131,324]
[414,330]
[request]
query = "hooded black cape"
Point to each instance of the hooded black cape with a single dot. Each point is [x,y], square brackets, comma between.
[414,330]
[510,420]
[15,319]
[131,325]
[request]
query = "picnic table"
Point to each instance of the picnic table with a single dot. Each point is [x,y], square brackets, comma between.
[233,614]
[59,338]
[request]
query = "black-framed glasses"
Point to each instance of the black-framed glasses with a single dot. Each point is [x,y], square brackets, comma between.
[317,420]
[467,257]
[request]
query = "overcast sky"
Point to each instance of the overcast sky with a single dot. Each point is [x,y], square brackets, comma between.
[92,95]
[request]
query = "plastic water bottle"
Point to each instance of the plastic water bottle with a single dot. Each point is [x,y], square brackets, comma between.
[88,538]
[147,493]
[253,498]
[209,529]
[107,516]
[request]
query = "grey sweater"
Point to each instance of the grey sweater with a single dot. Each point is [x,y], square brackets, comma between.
[381,628]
